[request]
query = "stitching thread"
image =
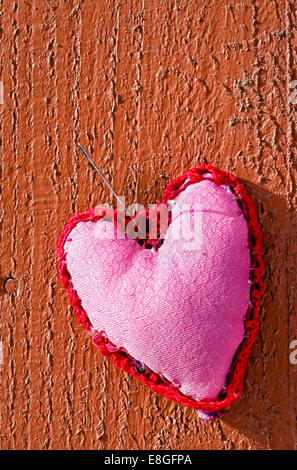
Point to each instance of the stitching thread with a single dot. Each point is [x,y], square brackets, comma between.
[234,381]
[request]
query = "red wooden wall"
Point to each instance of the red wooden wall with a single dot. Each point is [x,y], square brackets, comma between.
[151,88]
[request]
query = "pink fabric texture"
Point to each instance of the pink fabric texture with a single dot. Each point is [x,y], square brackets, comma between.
[179,310]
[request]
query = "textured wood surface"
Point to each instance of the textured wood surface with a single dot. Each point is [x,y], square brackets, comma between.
[150,88]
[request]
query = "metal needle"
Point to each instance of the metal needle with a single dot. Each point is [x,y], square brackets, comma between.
[108,185]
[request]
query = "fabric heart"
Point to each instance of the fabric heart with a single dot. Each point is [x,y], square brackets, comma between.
[181,318]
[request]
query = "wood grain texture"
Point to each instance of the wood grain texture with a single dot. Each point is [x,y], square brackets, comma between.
[150,88]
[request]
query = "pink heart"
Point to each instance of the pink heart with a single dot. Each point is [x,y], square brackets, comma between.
[181,317]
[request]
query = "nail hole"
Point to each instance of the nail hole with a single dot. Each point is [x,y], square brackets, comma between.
[11,285]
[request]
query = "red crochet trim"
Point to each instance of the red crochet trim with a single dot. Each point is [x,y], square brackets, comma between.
[234,382]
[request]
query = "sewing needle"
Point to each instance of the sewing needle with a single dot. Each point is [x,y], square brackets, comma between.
[109,186]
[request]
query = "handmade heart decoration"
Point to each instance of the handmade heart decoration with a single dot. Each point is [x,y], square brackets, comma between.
[179,312]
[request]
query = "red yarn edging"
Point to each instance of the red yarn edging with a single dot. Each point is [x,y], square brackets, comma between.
[234,381]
